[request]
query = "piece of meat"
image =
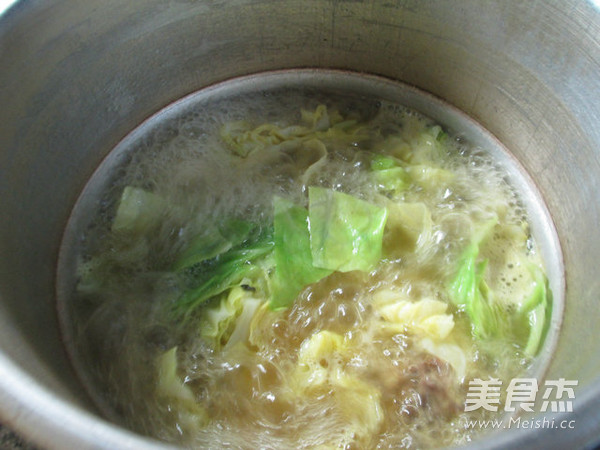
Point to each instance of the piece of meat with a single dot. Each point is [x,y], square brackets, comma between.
[425,386]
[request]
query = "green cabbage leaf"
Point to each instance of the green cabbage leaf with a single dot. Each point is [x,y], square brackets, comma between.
[294,268]
[389,176]
[346,233]
[207,278]
[522,317]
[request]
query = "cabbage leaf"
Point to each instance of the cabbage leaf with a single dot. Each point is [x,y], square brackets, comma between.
[538,309]
[138,210]
[522,318]
[213,242]
[294,268]
[189,414]
[227,322]
[320,372]
[243,138]
[389,176]
[468,286]
[210,277]
[346,233]
[426,317]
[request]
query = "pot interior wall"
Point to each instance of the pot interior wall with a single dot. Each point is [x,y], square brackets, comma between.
[77,77]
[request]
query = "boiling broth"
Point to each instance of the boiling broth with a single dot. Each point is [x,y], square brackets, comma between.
[374,357]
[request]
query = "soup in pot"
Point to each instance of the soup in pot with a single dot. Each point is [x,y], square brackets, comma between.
[300,269]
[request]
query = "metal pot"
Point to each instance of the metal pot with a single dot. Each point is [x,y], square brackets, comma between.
[76,76]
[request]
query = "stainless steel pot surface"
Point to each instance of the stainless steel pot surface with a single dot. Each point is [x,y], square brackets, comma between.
[76,76]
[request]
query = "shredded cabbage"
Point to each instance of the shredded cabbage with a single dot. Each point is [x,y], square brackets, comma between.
[427,320]
[425,317]
[227,322]
[243,138]
[320,370]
